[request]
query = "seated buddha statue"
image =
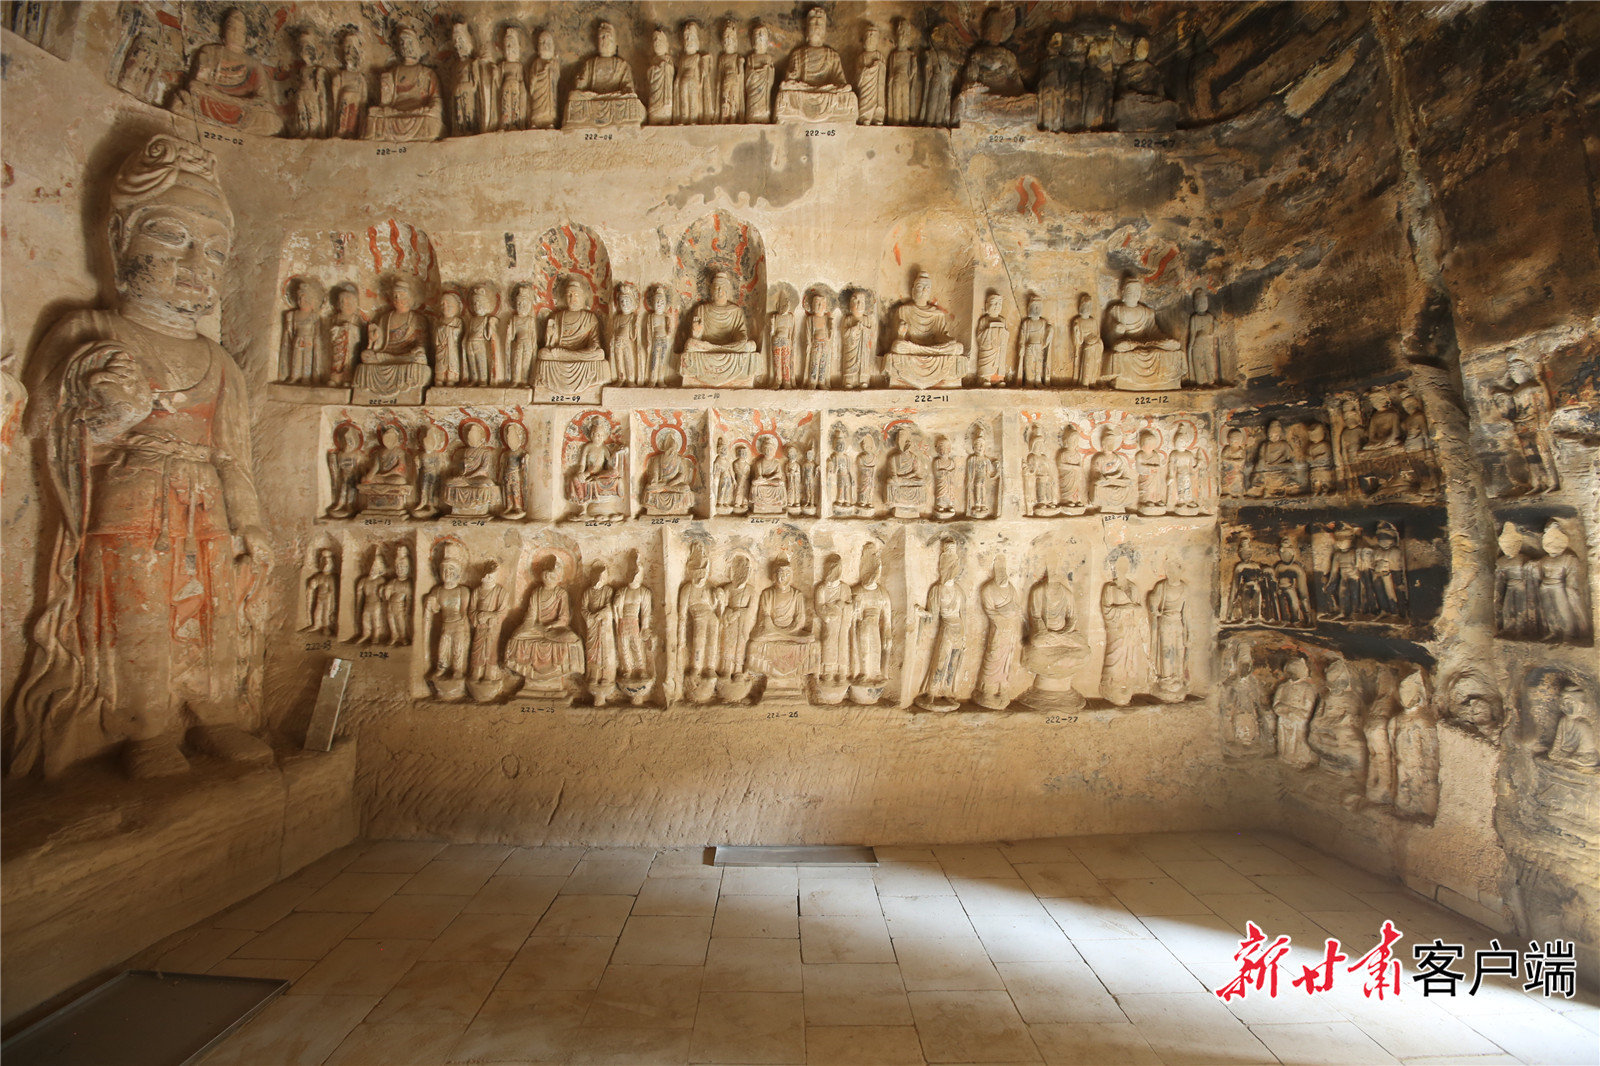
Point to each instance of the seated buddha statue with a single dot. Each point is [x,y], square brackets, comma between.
[667,486]
[814,88]
[1142,358]
[1053,648]
[908,480]
[782,646]
[720,350]
[1278,469]
[475,491]
[572,362]
[387,484]
[924,353]
[1111,481]
[544,650]
[604,94]
[229,86]
[394,365]
[768,494]
[596,483]
[410,104]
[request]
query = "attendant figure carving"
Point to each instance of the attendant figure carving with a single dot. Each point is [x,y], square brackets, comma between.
[760,73]
[345,333]
[904,107]
[1002,606]
[992,340]
[447,625]
[514,470]
[1294,702]
[311,89]
[372,619]
[1126,669]
[871,79]
[322,595]
[522,335]
[946,614]
[397,595]
[302,356]
[983,476]
[600,633]
[432,467]
[871,631]
[448,330]
[483,360]
[349,89]
[544,78]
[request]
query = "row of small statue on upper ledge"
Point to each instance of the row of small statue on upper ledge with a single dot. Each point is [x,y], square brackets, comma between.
[403,349]
[1080,84]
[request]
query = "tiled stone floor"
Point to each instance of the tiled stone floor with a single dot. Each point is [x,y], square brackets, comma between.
[1073,950]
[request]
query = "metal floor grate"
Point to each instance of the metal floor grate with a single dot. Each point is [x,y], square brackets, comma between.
[795,855]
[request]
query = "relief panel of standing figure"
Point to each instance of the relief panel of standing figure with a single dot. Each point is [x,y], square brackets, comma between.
[944,619]
[1002,607]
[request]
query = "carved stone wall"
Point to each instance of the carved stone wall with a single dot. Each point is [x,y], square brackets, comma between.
[1400,396]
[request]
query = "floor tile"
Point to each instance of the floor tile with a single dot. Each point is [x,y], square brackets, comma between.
[996,896]
[1196,939]
[265,907]
[353,891]
[1068,878]
[1543,1037]
[663,940]
[1063,991]
[661,997]
[832,938]
[1308,892]
[607,877]
[945,964]
[863,1045]
[912,879]
[203,950]
[524,1027]
[1095,918]
[300,935]
[411,917]
[496,853]
[752,964]
[1171,847]
[1411,1033]
[961,1027]
[482,936]
[396,856]
[515,894]
[360,968]
[395,1042]
[1255,860]
[1332,1043]
[684,862]
[1037,851]
[927,916]
[1193,1028]
[559,963]
[749,1027]
[760,881]
[1208,877]
[460,878]
[585,915]
[855,994]
[540,862]
[293,1031]
[1021,938]
[1106,859]
[840,896]
[903,853]
[976,860]
[632,1046]
[685,896]
[759,916]
[621,853]
[439,992]
[1136,966]
[1154,896]
[1092,1044]
[277,969]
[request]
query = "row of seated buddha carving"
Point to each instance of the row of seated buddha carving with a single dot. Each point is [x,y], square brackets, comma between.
[418,472]
[577,350]
[771,477]
[1353,576]
[1366,448]
[383,597]
[1097,80]
[545,657]
[1373,731]
[1542,597]
[894,465]
[1075,479]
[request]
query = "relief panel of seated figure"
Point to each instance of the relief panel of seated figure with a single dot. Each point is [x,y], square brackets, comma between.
[814,88]
[410,105]
[668,486]
[475,491]
[782,647]
[544,650]
[1142,358]
[572,362]
[394,365]
[768,492]
[721,350]
[229,87]
[924,353]
[604,94]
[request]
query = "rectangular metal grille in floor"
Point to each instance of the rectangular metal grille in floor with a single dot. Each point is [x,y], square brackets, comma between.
[810,855]
[143,1018]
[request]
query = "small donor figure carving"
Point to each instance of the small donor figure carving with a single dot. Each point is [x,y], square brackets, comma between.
[946,615]
[447,625]
[487,613]
[1563,606]
[397,595]
[372,619]
[924,352]
[1294,702]
[814,88]
[544,650]
[1516,585]
[983,476]
[1002,606]
[229,87]
[410,106]
[572,362]
[1142,357]
[322,594]
[1126,668]
[720,351]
